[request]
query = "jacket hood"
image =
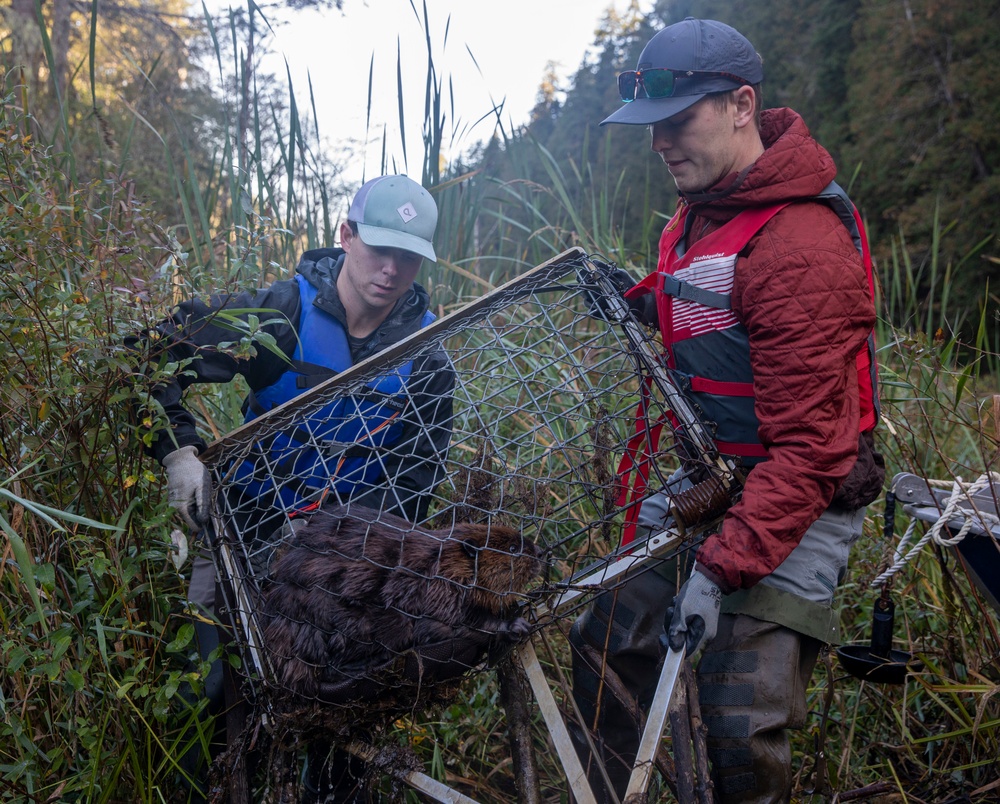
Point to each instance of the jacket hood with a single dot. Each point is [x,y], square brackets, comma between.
[321,267]
[793,166]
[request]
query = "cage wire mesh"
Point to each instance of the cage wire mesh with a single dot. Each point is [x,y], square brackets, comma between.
[469,510]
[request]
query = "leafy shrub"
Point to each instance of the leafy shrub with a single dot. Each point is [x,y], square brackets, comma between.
[92,649]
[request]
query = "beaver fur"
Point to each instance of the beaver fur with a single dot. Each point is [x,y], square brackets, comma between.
[360,601]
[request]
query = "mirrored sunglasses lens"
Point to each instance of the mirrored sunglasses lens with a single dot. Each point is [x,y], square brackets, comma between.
[658,83]
[626,85]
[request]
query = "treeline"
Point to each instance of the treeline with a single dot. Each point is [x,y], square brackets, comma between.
[904,93]
[158,95]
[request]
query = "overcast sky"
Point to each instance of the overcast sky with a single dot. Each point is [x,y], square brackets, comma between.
[512,42]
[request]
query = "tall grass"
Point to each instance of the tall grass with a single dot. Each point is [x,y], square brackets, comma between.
[935,738]
[95,646]
[87,597]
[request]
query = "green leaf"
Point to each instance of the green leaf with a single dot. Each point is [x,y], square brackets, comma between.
[50,514]
[26,566]
[184,636]
[75,679]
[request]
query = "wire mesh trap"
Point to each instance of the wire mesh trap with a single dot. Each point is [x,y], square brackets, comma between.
[376,538]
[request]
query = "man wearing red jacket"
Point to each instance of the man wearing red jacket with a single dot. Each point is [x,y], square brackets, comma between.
[764,297]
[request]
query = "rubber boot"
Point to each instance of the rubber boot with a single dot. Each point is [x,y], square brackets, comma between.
[624,627]
[333,776]
[752,681]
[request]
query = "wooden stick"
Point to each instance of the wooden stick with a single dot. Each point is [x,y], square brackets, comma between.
[514,692]
[680,734]
[699,733]
[664,762]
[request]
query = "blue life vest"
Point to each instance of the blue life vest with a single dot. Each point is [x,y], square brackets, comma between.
[707,348]
[336,447]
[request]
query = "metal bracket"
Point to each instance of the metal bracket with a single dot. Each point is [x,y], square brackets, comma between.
[923,501]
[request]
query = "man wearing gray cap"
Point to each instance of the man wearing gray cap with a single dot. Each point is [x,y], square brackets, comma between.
[343,305]
[763,295]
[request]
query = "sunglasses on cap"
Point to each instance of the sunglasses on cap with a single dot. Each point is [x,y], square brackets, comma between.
[660,82]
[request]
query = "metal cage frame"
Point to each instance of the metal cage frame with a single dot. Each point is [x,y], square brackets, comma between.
[550,370]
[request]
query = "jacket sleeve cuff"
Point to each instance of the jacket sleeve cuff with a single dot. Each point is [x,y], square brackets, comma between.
[716,579]
[165,445]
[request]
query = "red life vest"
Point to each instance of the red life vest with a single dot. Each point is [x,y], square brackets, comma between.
[707,349]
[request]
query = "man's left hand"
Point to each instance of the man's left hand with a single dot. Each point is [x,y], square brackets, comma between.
[599,305]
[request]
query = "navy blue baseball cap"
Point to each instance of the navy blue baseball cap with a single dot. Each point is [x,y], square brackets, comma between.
[682,64]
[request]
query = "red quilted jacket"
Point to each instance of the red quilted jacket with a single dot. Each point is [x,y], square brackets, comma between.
[802,294]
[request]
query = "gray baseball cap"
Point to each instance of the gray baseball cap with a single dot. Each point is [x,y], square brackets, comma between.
[705,56]
[396,212]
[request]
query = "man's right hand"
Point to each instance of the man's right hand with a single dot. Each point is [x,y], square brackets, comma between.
[621,279]
[189,485]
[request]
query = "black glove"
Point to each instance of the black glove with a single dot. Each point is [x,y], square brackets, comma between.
[623,281]
[597,301]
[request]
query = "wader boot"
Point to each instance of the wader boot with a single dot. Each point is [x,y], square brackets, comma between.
[624,625]
[333,776]
[195,760]
[752,682]
[752,677]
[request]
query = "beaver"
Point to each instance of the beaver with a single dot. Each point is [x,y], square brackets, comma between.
[360,601]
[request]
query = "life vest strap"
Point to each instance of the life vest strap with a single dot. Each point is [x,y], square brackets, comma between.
[310,374]
[635,464]
[720,387]
[679,289]
[742,450]
[253,404]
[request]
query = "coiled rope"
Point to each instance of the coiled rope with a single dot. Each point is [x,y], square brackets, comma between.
[960,492]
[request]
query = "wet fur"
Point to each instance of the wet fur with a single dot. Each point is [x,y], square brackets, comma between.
[361,600]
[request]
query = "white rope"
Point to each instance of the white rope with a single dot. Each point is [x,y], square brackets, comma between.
[960,492]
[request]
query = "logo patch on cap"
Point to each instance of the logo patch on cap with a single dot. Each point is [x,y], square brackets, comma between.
[407,212]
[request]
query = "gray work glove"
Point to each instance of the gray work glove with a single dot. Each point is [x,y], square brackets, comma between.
[189,485]
[695,614]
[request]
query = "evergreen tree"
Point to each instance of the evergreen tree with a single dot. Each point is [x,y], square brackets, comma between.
[903,93]
[607,173]
[923,107]
[805,45]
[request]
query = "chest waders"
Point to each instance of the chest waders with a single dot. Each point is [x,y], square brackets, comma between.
[336,448]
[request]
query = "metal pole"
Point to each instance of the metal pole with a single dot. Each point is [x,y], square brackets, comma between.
[656,720]
[570,760]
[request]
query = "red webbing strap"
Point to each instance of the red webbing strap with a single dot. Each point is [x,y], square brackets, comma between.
[635,464]
[633,469]
[743,450]
[635,441]
[721,387]
[867,370]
